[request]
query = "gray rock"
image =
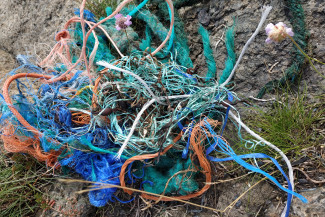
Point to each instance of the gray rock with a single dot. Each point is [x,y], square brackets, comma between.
[254,70]
[7,62]
[26,24]
[315,205]
[204,17]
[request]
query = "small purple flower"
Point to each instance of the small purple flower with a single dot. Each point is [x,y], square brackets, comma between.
[277,33]
[122,22]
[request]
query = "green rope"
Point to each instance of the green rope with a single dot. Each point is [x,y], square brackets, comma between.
[231,59]
[208,53]
[103,51]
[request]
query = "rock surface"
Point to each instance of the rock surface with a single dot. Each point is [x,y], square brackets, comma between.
[29,26]
[7,62]
[204,17]
[314,208]
[63,200]
[251,204]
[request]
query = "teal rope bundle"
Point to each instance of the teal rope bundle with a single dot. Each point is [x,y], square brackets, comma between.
[182,42]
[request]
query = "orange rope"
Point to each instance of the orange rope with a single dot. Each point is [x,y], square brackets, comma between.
[62,38]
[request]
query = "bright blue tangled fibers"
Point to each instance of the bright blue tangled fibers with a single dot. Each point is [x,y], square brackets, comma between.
[97,168]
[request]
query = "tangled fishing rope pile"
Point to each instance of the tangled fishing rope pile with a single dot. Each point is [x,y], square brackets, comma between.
[128,116]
